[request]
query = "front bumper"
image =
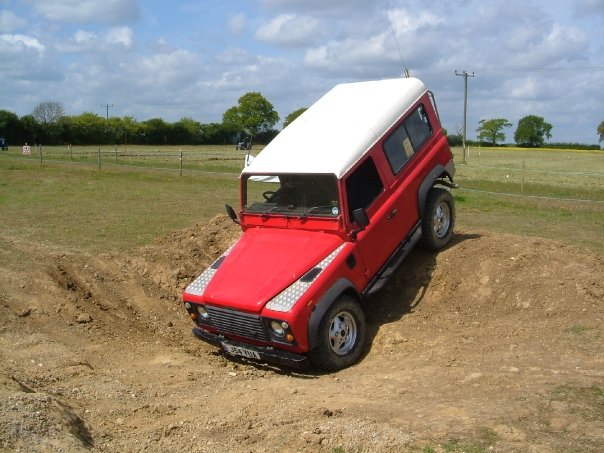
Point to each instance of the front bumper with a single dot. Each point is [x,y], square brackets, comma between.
[267,354]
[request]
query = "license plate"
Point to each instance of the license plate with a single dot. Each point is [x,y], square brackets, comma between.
[243,352]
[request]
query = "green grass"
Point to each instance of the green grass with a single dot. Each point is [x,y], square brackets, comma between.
[580,224]
[77,207]
[587,401]
[544,197]
[547,173]
[483,439]
[89,210]
[577,329]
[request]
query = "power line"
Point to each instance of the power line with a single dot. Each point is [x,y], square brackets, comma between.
[107,106]
[553,70]
[465,76]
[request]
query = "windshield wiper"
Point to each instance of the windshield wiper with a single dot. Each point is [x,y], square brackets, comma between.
[309,210]
[274,208]
[269,210]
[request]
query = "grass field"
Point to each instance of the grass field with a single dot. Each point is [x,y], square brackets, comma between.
[66,202]
[557,194]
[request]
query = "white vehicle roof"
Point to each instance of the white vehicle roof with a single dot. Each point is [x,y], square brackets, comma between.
[336,131]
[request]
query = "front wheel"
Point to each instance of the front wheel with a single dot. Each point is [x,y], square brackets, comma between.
[438,219]
[341,336]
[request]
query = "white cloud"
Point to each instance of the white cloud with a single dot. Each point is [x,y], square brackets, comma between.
[237,23]
[560,44]
[589,7]
[19,43]
[289,30]
[350,56]
[10,22]
[166,70]
[372,52]
[405,21]
[26,64]
[82,36]
[235,56]
[88,11]
[320,5]
[87,41]
[122,36]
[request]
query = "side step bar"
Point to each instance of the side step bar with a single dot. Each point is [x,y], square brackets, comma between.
[393,263]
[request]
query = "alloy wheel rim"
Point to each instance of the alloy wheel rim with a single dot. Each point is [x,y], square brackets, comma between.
[442,220]
[342,333]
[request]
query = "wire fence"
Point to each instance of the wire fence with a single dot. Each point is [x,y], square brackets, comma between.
[221,161]
[532,176]
[539,197]
[567,176]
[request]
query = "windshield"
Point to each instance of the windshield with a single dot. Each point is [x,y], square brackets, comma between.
[296,195]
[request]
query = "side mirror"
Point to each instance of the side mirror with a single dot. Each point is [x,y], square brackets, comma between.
[361,218]
[231,213]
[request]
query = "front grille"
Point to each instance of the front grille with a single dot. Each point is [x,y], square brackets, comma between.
[237,323]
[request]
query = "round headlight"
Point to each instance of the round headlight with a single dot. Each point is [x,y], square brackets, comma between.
[202,312]
[277,328]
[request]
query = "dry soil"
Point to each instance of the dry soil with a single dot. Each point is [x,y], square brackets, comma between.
[494,344]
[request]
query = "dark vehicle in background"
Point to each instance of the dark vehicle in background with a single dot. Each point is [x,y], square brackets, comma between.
[243,145]
[3,144]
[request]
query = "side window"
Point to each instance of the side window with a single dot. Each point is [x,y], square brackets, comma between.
[407,138]
[363,186]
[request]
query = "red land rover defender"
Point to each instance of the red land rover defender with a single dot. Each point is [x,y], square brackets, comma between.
[329,209]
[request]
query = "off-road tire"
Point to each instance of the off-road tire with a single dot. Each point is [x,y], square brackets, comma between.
[341,336]
[438,219]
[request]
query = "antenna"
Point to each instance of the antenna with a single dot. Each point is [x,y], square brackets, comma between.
[400,54]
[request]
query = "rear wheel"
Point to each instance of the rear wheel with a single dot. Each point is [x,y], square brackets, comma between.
[341,336]
[438,219]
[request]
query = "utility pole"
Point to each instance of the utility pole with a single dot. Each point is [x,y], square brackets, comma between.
[107,107]
[465,76]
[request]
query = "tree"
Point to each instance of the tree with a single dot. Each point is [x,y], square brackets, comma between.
[31,129]
[491,131]
[185,131]
[215,134]
[252,115]
[601,131]
[10,127]
[88,128]
[48,112]
[292,116]
[156,131]
[532,131]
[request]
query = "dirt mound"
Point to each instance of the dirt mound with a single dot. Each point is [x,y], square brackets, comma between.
[494,342]
[173,261]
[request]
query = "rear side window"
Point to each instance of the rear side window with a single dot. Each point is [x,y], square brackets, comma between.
[363,186]
[407,139]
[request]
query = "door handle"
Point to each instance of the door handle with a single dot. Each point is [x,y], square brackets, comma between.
[392,214]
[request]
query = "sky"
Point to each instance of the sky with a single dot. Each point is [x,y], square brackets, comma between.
[165,59]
